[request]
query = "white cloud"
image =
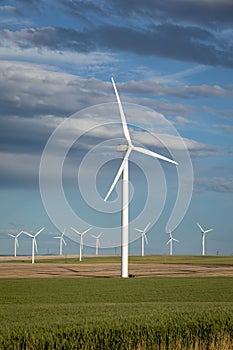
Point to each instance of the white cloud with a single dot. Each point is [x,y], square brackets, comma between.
[179,120]
[216,184]
[51,58]
[227,129]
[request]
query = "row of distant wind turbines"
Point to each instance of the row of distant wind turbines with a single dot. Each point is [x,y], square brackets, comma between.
[124,172]
[97,238]
[171,238]
[61,241]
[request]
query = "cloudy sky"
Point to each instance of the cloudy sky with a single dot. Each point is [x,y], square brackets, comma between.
[171,59]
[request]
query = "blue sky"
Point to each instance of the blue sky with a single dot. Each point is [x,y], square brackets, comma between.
[174,58]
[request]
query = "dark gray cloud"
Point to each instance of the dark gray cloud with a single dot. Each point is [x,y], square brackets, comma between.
[217,12]
[24,136]
[174,41]
[187,43]
[208,13]
[52,38]
[84,10]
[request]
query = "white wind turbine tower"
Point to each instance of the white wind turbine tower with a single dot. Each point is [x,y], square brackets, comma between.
[61,241]
[170,241]
[16,242]
[97,242]
[144,237]
[34,244]
[127,149]
[81,234]
[203,232]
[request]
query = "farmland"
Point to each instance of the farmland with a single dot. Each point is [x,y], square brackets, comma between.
[109,266]
[112,313]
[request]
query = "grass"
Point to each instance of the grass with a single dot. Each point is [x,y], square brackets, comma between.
[150,313]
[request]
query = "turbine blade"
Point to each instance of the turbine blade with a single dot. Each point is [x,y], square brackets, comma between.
[76,231]
[153,154]
[100,235]
[211,229]
[39,231]
[147,226]
[11,235]
[137,229]
[202,230]
[28,234]
[146,240]
[63,233]
[19,234]
[63,241]
[86,231]
[17,242]
[168,241]
[118,174]
[175,240]
[123,119]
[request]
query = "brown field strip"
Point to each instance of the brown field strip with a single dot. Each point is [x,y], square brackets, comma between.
[108,270]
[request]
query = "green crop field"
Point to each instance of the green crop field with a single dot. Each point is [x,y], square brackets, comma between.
[139,313]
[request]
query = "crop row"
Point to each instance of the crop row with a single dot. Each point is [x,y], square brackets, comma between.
[175,333]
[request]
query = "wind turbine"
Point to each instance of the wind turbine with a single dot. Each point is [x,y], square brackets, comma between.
[203,232]
[34,244]
[170,241]
[16,242]
[144,237]
[124,171]
[97,242]
[61,240]
[81,234]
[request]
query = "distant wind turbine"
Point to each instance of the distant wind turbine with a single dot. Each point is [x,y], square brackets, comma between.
[81,234]
[170,241]
[34,244]
[203,233]
[16,242]
[123,170]
[61,241]
[97,242]
[144,237]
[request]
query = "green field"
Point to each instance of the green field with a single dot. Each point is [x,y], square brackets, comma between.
[140,313]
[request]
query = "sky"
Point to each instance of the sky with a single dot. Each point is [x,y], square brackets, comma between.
[60,124]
